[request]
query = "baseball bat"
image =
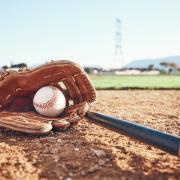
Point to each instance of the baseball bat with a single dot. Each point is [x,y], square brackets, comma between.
[164,141]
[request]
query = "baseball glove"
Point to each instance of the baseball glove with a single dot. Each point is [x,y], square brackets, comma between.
[17,90]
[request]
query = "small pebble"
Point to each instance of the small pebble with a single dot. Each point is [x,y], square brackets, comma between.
[76,149]
[68,178]
[99,153]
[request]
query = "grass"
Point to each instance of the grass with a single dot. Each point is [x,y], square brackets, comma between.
[144,82]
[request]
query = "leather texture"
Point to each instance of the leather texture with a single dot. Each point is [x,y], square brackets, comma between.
[17,90]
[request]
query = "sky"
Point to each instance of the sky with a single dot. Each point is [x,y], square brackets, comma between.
[36,31]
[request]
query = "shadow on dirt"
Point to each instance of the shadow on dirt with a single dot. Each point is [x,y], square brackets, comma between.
[68,155]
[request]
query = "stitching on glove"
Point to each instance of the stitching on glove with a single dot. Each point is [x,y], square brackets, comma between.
[18,89]
[69,77]
[4,74]
[8,97]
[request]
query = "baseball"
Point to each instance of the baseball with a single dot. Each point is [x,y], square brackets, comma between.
[49,101]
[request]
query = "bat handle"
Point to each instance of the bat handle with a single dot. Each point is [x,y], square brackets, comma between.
[159,139]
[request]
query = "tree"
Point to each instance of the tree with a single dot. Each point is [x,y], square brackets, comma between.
[170,66]
[151,67]
[165,64]
[5,67]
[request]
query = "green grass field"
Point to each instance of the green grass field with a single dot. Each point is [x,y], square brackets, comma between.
[146,82]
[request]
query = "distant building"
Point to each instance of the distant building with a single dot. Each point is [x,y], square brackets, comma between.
[137,72]
[21,65]
[15,67]
[122,71]
[93,70]
[127,72]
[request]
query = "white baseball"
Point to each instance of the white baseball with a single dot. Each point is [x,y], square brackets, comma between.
[49,101]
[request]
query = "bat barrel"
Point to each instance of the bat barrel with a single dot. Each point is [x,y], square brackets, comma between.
[161,140]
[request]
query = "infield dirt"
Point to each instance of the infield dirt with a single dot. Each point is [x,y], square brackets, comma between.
[88,151]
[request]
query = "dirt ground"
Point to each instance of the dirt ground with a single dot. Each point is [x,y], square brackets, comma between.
[88,151]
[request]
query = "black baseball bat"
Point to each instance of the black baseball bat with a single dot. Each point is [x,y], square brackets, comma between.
[159,139]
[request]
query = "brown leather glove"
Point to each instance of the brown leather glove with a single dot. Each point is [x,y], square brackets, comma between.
[17,90]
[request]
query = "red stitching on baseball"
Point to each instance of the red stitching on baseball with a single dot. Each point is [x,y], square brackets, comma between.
[49,103]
